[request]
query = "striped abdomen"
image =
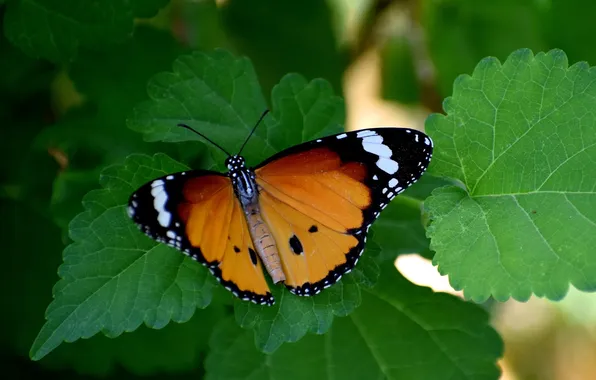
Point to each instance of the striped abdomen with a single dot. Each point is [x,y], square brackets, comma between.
[264,242]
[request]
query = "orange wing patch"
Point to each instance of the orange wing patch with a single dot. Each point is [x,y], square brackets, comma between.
[216,225]
[240,269]
[319,186]
[316,216]
[311,253]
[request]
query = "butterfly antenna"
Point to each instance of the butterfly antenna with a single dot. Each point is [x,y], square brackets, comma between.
[205,137]
[253,129]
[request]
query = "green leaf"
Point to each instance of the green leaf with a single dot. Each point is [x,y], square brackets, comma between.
[57,29]
[396,334]
[274,36]
[174,349]
[521,138]
[113,277]
[216,94]
[399,229]
[303,111]
[292,317]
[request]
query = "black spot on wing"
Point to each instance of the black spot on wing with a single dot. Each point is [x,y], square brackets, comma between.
[236,249]
[313,229]
[296,245]
[352,256]
[253,255]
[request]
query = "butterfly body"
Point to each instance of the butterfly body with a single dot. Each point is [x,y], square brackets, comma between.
[303,214]
[246,190]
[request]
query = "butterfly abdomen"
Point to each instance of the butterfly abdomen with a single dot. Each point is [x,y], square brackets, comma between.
[264,243]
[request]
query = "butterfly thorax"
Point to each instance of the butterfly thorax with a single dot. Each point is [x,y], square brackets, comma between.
[243,180]
[246,190]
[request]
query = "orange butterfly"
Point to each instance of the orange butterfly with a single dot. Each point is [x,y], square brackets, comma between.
[303,214]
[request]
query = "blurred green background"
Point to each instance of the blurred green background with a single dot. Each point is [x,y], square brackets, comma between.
[63,116]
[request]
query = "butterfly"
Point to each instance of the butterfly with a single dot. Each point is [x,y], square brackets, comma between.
[302,214]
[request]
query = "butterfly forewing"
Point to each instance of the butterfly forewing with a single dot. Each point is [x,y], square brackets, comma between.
[197,213]
[321,197]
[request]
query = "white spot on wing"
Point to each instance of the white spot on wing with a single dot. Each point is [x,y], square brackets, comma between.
[393,182]
[342,136]
[374,139]
[375,177]
[160,197]
[170,177]
[428,141]
[365,133]
[380,150]
[387,165]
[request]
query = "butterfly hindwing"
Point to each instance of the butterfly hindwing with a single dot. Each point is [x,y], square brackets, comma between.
[197,213]
[323,195]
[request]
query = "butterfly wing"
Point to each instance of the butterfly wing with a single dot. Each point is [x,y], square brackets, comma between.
[319,198]
[197,213]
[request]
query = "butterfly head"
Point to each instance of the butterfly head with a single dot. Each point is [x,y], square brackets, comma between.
[235,163]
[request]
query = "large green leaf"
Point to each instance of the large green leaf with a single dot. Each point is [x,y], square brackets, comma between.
[401,331]
[114,278]
[214,93]
[57,29]
[521,138]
